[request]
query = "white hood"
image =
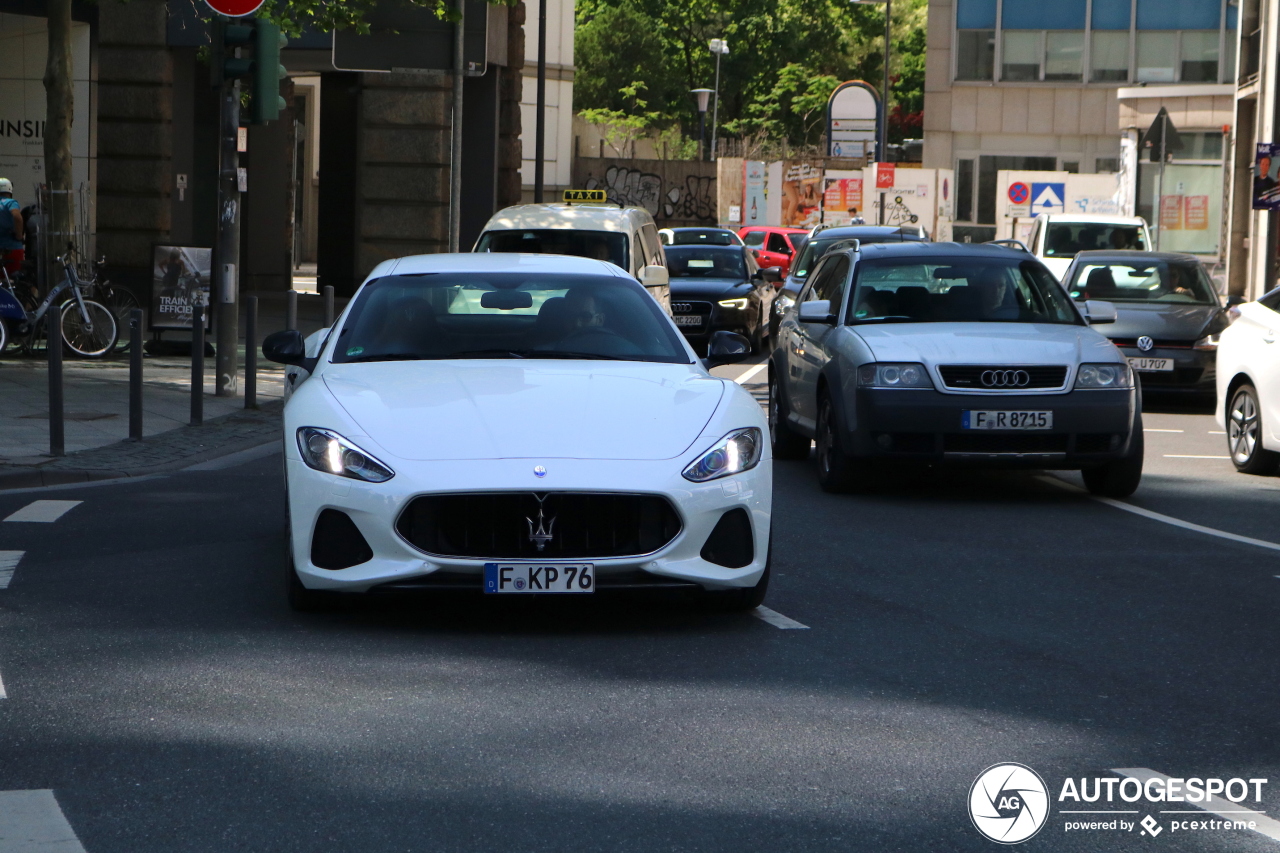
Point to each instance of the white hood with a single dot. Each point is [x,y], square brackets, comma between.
[450,410]
[987,343]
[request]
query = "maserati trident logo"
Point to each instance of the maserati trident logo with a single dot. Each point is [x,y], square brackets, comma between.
[1146,344]
[544,533]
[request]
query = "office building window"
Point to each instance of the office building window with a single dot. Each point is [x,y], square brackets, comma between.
[1105,165]
[1111,15]
[1031,15]
[964,191]
[1071,167]
[975,54]
[1157,57]
[1110,57]
[1021,55]
[1063,55]
[1200,56]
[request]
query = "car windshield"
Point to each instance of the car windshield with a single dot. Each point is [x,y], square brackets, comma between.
[817,247]
[1145,281]
[506,315]
[601,245]
[988,290]
[1065,239]
[706,262]
[707,237]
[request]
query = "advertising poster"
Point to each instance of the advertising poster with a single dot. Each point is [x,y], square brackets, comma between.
[842,199]
[1196,213]
[1266,177]
[801,194]
[180,277]
[1191,209]
[1171,212]
[753,197]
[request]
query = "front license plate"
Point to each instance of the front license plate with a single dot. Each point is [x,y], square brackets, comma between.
[1162,365]
[688,320]
[1007,420]
[539,577]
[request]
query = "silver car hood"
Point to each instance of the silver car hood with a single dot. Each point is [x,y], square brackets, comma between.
[986,343]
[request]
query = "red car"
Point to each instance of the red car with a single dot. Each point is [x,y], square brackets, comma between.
[774,247]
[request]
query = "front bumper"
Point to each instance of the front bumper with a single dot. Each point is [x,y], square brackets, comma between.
[925,425]
[374,509]
[1194,371]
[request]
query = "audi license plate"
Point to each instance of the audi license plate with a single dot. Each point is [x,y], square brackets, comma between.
[688,320]
[1161,365]
[1007,420]
[539,577]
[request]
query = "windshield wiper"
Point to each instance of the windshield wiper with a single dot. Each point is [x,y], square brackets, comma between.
[483,353]
[890,319]
[557,353]
[388,356]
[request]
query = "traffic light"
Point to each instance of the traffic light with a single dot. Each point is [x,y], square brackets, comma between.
[223,63]
[267,71]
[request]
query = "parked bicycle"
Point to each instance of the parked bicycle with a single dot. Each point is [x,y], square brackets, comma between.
[88,328]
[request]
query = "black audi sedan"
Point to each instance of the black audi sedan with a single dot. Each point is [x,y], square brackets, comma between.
[1168,316]
[719,288]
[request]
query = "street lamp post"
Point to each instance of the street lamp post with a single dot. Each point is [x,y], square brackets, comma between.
[719,47]
[703,95]
[882,137]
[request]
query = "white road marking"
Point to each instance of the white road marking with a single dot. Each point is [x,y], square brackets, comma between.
[44,511]
[8,563]
[1166,519]
[32,820]
[1182,456]
[1220,806]
[742,380]
[1217,432]
[777,620]
[1151,429]
[3,695]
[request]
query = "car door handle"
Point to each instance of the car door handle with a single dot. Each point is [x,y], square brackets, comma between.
[1269,337]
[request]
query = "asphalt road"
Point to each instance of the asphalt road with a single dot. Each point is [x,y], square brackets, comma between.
[157,684]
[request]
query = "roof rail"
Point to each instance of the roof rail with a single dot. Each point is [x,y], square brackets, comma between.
[1011,244]
[844,246]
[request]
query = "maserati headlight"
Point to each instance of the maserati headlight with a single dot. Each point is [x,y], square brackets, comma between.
[887,375]
[1208,343]
[737,452]
[1104,376]
[782,303]
[736,304]
[325,450]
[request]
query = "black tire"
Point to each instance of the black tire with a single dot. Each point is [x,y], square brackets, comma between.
[120,303]
[301,599]
[785,442]
[93,341]
[1118,478]
[4,335]
[747,598]
[837,471]
[1244,434]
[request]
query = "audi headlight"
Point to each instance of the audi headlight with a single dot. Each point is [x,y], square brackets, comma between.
[325,450]
[736,304]
[1208,343]
[782,303]
[1104,376]
[888,375]
[737,452]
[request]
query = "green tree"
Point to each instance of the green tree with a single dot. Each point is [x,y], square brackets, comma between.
[794,109]
[619,48]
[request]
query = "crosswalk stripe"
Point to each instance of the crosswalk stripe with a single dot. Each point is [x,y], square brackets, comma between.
[8,563]
[33,820]
[44,511]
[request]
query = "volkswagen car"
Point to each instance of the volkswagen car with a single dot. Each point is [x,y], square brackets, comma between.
[516,424]
[945,353]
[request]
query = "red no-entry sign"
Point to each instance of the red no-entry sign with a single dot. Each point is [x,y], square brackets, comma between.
[234,8]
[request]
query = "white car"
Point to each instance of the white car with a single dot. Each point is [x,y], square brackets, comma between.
[512,424]
[947,353]
[1057,237]
[1248,373]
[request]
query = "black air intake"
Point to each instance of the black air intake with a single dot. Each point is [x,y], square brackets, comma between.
[337,543]
[730,544]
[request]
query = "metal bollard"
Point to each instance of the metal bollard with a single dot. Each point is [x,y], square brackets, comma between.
[291,310]
[57,436]
[328,305]
[251,354]
[197,364]
[135,374]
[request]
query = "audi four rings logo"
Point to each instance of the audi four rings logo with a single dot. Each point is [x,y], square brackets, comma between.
[681,307]
[1006,378]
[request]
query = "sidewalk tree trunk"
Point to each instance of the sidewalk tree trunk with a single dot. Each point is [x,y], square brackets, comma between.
[59,103]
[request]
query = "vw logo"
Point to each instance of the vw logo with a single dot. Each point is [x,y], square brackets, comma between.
[1146,344]
[1006,378]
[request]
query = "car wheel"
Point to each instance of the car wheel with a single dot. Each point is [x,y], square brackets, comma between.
[785,442]
[301,599]
[1244,434]
[747,598]
[837,470]
[1119,478]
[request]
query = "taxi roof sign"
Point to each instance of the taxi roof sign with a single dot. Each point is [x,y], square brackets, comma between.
[571,196]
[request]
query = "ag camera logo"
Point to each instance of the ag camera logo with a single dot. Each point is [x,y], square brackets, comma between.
[1008,803]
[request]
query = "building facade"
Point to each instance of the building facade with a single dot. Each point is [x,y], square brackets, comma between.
[558,140]
[1071,86]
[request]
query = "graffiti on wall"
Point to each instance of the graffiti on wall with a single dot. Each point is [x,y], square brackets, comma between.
[673,191]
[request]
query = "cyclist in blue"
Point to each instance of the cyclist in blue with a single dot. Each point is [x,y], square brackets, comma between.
[12,233]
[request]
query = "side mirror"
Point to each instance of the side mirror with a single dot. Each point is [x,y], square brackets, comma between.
[755,253]
[773,274]
[654,275]
[1096,312]
[286,347]
[726,348]
[817,311]
[1235,299]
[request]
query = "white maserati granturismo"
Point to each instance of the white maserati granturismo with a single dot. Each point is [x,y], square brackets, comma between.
[519,424]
